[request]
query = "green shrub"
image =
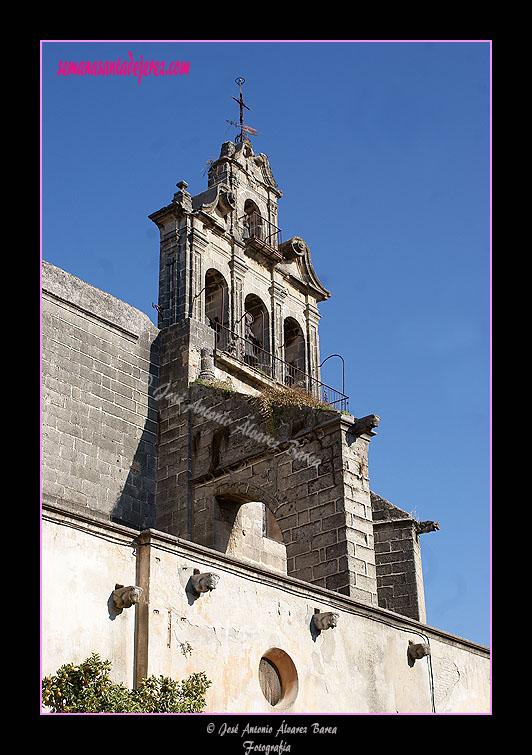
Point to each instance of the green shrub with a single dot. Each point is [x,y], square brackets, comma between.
[87,688]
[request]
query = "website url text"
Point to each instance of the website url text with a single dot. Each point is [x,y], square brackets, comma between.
[123,68]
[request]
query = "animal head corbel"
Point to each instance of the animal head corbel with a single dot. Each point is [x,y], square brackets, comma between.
[417,650]
[125,597]
[205,582]
[327,620]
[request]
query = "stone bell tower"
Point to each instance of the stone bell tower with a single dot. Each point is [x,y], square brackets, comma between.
[224,266]
[238,308]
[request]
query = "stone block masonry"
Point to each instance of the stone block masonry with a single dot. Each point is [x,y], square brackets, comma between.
[116,444]
[398,560]
[99,432]
[304,464]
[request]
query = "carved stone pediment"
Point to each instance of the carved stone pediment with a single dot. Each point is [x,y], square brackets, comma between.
[218,199]
[297,267]
[262,162]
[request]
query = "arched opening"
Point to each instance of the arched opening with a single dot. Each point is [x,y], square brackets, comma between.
[217,305]
[248,530]
[253,222]
[294,353]
[257,334]
[256,227]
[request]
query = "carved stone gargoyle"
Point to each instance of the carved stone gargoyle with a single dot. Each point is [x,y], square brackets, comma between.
[417,650]
[365,424]
[125,597]
[201,583]
[422,527]
[324,621]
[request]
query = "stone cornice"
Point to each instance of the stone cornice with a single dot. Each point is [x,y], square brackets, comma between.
[215,559]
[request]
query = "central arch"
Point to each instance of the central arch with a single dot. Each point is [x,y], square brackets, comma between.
[245,526]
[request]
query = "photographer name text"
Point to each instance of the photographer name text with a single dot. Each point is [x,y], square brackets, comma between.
[250,746]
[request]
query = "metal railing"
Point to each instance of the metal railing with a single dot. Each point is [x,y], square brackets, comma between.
[250,352]
[254,226]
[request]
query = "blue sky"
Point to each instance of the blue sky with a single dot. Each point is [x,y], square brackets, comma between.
[382,151]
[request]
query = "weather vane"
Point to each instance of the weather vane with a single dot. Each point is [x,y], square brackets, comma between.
[243,128]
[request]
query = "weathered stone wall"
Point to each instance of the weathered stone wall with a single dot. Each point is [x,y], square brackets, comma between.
[180,357]
[99,431]
[306,465]
[398,560]
[360,666]
[240,530]
[173,283]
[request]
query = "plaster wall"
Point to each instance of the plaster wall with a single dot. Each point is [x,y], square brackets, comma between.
[360,666]
[81,564]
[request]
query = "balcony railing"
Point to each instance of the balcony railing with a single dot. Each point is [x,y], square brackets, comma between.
[251,354]
[254,226]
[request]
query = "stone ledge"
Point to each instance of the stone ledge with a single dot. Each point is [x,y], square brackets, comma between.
[216,559]
[56,511]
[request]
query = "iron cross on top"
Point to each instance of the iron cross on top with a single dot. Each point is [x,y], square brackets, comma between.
[243,128]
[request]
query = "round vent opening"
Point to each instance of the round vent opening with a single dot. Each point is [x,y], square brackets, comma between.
[278,678]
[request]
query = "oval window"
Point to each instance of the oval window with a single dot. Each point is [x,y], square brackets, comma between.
[278,678]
